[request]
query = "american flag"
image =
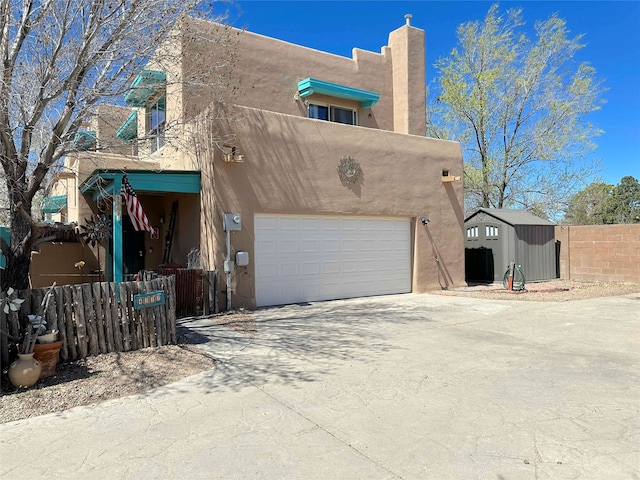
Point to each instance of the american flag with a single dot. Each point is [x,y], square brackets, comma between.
[136,214]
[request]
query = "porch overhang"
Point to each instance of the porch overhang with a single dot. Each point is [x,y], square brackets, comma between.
[309,86]
[100,183]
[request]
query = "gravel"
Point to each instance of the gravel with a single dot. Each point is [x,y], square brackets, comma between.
[551,291]
[107,376]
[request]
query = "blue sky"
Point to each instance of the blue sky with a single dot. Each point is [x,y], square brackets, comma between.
[611,29]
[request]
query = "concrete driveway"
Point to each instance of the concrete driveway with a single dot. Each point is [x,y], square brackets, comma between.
[407,386]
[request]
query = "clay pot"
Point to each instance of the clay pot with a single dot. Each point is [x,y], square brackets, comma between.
[47,355]
[25,371]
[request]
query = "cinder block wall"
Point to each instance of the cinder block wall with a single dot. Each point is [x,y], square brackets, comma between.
[602,253]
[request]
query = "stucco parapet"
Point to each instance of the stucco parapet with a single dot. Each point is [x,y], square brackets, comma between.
[90,161]
[405,137]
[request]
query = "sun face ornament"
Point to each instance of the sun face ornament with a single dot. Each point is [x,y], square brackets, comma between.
[349,170]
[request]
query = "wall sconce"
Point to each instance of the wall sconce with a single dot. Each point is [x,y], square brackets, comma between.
[424,221]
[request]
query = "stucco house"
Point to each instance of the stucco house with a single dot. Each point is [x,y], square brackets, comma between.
[311,180]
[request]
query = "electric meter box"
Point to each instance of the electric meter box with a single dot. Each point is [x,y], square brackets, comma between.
[232,221]
[242,259]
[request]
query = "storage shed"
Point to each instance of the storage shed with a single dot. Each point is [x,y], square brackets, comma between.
[495,237]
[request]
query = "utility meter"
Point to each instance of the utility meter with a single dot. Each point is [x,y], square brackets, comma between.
[242,259]
[232,221]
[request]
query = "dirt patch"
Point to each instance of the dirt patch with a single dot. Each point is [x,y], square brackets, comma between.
[551,291]
[100,378]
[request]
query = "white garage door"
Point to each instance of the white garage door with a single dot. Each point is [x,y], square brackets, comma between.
[306,258]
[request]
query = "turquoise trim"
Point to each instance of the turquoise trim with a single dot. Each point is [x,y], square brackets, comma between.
[54,204]
[145,85]
[101,183]
[129,129]
[117,211]
[5,233]
[309,86]
[85,139]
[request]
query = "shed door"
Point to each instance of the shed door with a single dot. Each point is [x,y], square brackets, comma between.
[493,242]
[483,252]
[308,258]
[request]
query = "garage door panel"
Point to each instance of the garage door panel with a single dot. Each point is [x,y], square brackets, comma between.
[322,258]
[331,267]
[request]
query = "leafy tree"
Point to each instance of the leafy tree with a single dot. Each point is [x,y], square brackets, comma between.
[586,206]
[58,60]
[623,205]
[518,107]
[600,203]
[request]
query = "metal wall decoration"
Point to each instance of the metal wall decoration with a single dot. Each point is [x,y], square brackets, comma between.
[349,170]
[96,230]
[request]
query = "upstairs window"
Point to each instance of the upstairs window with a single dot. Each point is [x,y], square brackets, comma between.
[332,113]
[156,122]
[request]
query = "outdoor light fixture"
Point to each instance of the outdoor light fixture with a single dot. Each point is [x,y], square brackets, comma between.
[424,221]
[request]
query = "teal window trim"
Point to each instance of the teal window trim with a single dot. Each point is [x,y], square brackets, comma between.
[309,86]
[145,86]
[54,204]
[129,129]
[85,139]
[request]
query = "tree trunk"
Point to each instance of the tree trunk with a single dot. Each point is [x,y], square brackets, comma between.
[17,273]
[18,258]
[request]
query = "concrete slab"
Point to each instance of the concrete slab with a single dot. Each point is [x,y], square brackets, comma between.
[406,386]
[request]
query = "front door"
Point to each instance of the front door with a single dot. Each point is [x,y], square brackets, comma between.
[133,249]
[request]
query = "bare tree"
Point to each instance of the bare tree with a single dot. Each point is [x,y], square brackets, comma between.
[60,59]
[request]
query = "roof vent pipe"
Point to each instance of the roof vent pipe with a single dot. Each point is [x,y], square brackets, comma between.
[408,18]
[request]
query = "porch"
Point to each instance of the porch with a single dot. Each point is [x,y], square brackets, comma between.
[171,202]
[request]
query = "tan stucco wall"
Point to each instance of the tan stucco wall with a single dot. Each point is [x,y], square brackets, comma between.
[263,73]
[291,167]
[55,262]
[106,122]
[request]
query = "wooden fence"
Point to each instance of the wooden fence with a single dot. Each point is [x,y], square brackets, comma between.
[196,290]
[101,317]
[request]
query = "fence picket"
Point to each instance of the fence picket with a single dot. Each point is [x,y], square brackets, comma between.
[60,321]
[90,318]
[71,341]
[81,326]
[98,302]
[124,316]
[108,317]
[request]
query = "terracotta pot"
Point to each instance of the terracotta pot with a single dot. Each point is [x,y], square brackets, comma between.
[25,371]
[47,354]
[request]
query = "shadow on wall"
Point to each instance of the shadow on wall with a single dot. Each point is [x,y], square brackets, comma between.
[444,277]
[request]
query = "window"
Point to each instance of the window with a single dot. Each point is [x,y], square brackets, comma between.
[156,123]
[490,231]
[347,116]
[472,232]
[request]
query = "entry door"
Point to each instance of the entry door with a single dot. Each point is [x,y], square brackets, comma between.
[309,258]
[133,250]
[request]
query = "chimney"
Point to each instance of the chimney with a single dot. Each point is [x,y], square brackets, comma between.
[408,65]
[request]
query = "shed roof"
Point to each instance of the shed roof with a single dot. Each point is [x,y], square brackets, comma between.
[512,217]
